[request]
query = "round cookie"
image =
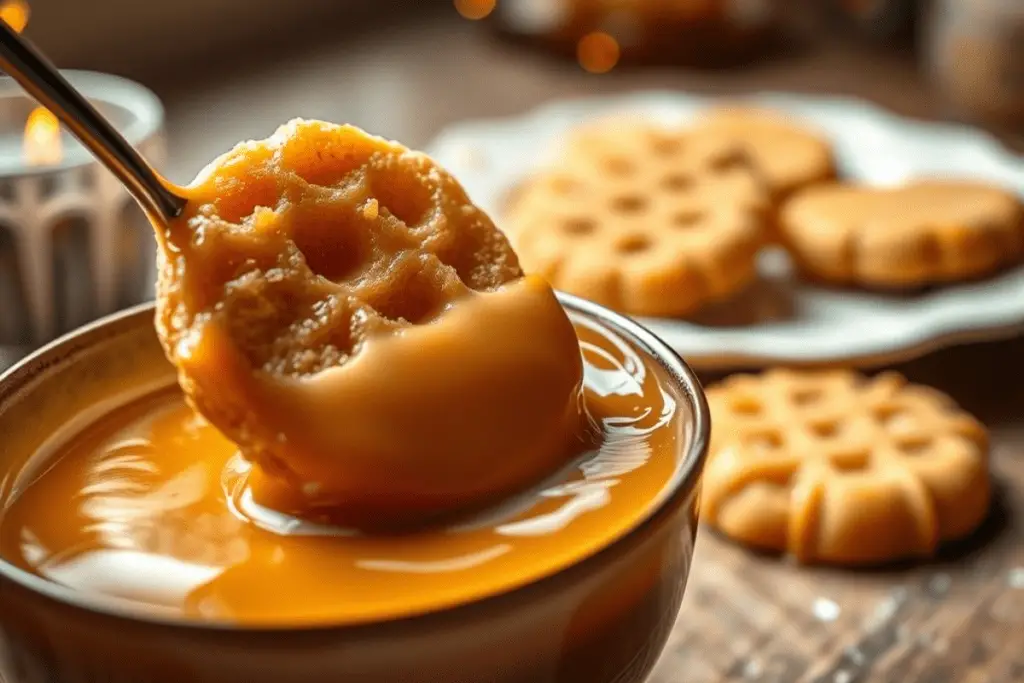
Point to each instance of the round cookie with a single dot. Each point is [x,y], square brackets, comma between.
[834,467]
[788,154]
[923,233]
[645,220]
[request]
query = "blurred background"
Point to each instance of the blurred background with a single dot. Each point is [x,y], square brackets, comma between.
[233,69]
[73,247]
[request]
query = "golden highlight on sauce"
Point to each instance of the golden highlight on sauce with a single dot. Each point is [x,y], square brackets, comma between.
[153,506]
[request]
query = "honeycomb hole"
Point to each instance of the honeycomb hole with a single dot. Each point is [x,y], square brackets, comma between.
[415,292]
[884,413]
[579,226]
[335,245]
[806,396]
[633,245]
[677,182]
[284,331]
[480,255]
[687,219]
[242,199]
[730,160]
[629,203]
[895,419]
[403,194]
[746,405]
[914,445]
[849,460]
[825,429]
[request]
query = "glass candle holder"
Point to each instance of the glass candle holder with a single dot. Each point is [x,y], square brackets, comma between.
[73,244]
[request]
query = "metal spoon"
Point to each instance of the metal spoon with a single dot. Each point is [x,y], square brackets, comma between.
[34,72]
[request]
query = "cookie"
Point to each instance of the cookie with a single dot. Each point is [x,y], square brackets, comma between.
[834,467]
[789,155]
[642,219]
[927,232]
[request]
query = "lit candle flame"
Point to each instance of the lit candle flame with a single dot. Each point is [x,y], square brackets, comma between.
[15,13]
[42,145]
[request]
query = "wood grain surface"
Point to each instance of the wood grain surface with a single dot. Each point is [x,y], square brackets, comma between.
[745,617]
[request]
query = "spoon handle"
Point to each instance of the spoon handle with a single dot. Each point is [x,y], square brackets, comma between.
[43,81]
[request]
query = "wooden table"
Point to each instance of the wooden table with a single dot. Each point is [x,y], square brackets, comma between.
[744,618]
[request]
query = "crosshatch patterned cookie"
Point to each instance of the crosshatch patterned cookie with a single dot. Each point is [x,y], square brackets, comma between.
[789,154]
[834,467]
[926,232]
[642,219]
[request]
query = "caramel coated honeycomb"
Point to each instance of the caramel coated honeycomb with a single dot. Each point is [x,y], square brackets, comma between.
[837,468]
[645,220]
[303,245]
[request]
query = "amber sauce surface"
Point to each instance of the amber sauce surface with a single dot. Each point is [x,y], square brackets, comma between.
[151,505]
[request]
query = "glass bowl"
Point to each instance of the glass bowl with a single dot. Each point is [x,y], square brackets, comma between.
[604,619]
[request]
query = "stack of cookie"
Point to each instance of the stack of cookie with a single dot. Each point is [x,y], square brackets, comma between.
[658,221]
[828,466]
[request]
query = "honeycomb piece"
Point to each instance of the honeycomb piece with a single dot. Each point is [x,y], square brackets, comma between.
[642,219]
[837,468]
[306,243]
[299,252]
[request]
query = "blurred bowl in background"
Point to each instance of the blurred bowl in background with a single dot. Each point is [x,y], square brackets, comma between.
[598,33]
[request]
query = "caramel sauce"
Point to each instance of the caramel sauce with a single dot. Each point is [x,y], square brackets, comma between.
[152,507]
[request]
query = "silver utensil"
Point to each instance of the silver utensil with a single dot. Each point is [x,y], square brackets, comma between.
[40,79]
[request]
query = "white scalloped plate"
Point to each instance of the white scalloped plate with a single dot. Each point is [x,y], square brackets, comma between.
[785,320]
